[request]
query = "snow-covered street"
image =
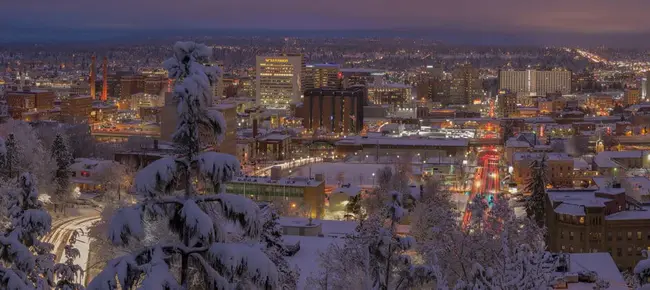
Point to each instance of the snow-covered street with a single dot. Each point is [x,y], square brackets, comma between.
[62,231]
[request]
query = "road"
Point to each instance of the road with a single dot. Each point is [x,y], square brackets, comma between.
[486,180]
[62,231]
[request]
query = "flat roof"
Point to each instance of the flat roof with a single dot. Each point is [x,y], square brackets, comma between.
[538,155]
[449,142]
[606,159]
[285,181]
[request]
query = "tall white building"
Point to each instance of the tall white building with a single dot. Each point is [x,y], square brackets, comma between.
[278,80]
[535,82]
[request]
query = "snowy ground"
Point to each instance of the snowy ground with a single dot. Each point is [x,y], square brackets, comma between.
[62,231]
[307,258]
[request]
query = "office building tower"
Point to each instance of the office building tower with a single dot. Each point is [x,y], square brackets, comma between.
[278,81]
[465,86]
[645,87]
[535,82]
[76,109]
[229,143]
[431,84]
[219,86]
[93,77]
[506,104]
[155,84]
[322,76]
[631,97]
[389,94]
[334,110]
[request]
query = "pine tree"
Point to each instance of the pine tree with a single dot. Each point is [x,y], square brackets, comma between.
[642,271]
[276,250]
[68,273]
[537,187]
[10,161]
[200,239]
[61,155]
[25,261]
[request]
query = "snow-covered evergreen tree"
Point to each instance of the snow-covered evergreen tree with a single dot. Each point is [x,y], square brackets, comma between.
[25,261]
[642,271]
[63,158]
[537,187]
[200,240]
[68,274]
[478,208]
[276,250]
[10,161]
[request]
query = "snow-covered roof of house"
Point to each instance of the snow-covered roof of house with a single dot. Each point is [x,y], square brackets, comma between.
[582,197]
[306,259]
[638,186]
[602,264]
[81,164]
[513,142]
[606,159]
[570,209]
[630,215]
[580,164]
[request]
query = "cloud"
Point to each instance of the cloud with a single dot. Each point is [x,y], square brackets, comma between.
[581,16]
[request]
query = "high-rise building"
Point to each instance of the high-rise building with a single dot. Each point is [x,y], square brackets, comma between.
[506,104]
[322,76]
[389,94]
[535,82]
[465,86]
[631,97]
[76,109]
[219,86]
[645,86]
[93,77]
[278,80]
[431,84]
[229,143]
[334,110]
[361,76]
[155,84]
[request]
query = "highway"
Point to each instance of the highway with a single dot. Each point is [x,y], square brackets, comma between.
[486,180]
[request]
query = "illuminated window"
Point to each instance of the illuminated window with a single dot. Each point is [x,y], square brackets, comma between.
[582,220]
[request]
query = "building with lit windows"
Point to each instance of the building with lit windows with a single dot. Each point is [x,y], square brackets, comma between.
[607,218]
[325,76]
[559,168]
[300,192]
[465,86]
[535,82]
[76,109]
[278,80]
[389,94]
[332,110]
[362,76]
[631,97]
[506,104]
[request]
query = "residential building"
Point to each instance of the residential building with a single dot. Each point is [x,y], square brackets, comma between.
[76,109]
[322,76]
[278,81]
[559,168]
[535,82]
[601,219]
[333,110]
[91,174]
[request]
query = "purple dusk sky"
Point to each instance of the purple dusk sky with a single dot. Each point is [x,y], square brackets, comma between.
[582,16]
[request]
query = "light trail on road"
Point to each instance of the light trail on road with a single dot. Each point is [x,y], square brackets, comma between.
[486,180]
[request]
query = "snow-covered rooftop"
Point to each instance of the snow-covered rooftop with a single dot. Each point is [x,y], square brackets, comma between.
[630,215]
[581,197]
[570,209]
[549,156]
[513,142]
[605,159]
[580,164]
[348,190]
[448,142]
[330,228]
[289,181]
[602,264]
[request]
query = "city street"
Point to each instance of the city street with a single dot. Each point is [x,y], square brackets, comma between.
[486,180]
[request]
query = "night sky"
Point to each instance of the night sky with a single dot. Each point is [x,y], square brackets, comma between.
[500,16]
